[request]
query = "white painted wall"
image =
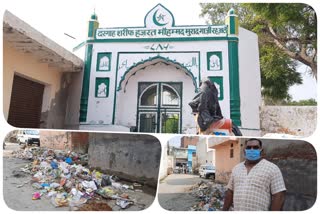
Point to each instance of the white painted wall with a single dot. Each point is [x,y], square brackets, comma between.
[204,154]
[250,82]
[100,110]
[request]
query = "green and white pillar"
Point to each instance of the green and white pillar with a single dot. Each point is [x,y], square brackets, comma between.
[233,32]
[93,25]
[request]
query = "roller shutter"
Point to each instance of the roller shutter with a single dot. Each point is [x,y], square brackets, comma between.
[25,103]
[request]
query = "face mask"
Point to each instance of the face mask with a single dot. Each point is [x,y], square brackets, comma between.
[252,154]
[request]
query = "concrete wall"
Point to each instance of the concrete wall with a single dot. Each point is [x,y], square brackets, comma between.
[204,154]
[181,153]
[297,161]
[225,163]
[250,82]
[211,156]
[73,101]
[59,140]
[134,157]
[167,163]
[295,120]
[68,141]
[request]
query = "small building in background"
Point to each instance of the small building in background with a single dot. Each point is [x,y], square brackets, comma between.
[204,154]
[228,153]
[189,140]
[41,79]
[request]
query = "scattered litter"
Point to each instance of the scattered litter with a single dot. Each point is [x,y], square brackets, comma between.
[137,185]
[89,185]
[21,185]
[54,185]
[211,196]
[105,180]
[36,196]
[37,186]
[64,178]
[68,160]
[60,200]
[123,203]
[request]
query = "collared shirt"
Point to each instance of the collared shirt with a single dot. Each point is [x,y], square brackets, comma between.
[252,191]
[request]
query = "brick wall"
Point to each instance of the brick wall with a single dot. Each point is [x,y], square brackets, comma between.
[68,141]
[297,161]
[189,140]
[80,141]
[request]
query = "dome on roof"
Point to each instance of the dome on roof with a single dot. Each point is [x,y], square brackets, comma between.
[94,16]
[231,11]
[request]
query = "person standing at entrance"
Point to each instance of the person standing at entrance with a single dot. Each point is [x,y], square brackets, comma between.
[206,105]
[255,184]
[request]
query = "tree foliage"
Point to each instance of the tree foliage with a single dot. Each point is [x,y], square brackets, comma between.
[287,35]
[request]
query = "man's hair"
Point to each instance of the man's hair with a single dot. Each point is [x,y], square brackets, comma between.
[252,139]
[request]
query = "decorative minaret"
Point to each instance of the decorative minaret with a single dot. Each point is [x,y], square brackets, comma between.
[232,22]
[93,25]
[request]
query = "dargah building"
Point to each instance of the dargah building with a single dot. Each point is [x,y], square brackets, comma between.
[141,78]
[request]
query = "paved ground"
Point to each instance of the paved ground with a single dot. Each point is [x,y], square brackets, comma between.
[17,189]
[173,193]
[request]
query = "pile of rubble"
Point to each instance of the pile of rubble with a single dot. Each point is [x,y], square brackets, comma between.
[63,178]
[210,194]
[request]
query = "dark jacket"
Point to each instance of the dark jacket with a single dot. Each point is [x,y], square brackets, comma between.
[206,104]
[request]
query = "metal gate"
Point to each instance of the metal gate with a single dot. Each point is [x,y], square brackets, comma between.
[159,107]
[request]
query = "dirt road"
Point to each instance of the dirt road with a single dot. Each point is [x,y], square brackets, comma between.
[174,192]
[18,190]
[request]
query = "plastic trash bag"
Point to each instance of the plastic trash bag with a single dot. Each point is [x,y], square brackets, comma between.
[123,203]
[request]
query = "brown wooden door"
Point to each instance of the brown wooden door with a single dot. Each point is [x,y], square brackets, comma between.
[25,103]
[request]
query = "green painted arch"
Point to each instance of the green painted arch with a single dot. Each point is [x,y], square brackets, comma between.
[145,17]
[165,59]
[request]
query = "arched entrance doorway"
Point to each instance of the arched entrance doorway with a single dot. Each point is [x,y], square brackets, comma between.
[154,98]
[159,107]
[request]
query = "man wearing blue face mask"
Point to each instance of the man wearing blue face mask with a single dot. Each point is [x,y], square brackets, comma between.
[255,184]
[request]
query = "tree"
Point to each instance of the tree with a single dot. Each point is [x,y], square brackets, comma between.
[291,27]
[278,73]
[287,35]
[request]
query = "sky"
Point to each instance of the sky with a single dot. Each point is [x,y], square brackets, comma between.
[175,141]
[55,18]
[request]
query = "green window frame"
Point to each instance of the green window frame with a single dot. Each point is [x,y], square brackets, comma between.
[101,56]
[100,90]
[219,81]
[219,55]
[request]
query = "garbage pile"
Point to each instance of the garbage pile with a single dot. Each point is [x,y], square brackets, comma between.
[63,178]
[210,194]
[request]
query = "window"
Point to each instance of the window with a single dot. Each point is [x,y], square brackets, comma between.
[231,150]
[102,87]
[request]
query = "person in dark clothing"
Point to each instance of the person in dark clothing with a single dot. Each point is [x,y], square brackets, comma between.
[206,104]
